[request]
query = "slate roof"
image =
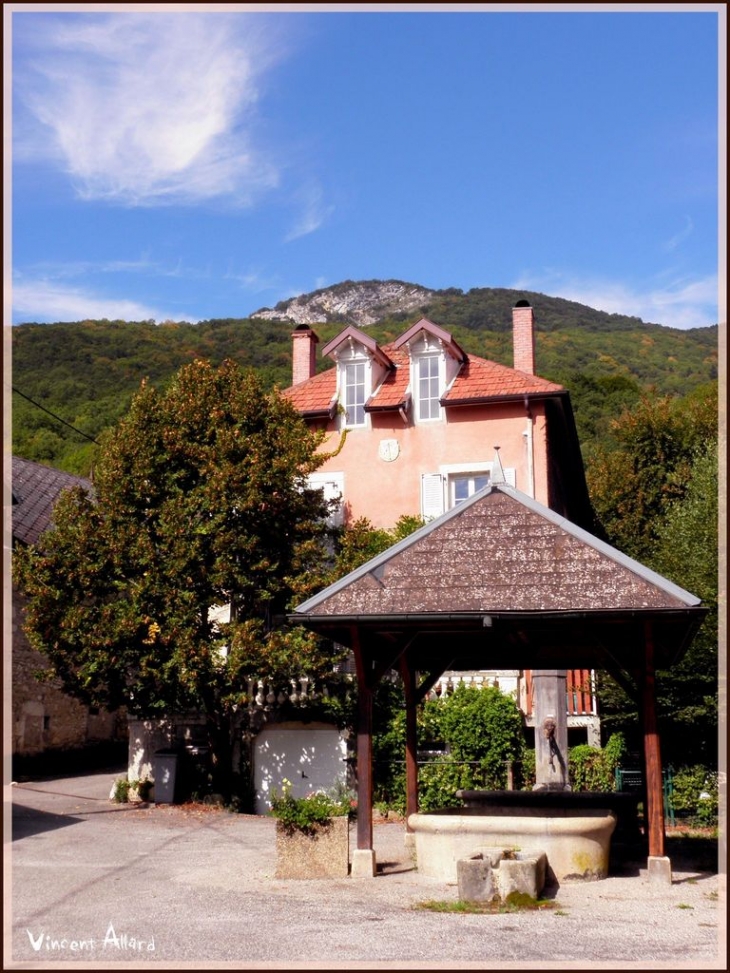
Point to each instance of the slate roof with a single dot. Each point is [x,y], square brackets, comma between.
[500,581]
[498,552]
[35,489]
[479,380]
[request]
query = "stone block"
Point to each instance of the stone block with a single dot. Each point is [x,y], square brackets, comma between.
[659,869]
[321,853]
[493,875]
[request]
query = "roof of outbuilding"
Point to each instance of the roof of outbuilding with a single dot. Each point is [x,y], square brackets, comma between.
[498,551]
[500,581]
[36,488]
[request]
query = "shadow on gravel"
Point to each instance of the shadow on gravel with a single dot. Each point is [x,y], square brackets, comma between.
[693,854]
[28,821]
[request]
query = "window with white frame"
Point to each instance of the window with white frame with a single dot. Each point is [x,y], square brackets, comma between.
[355,393]
[453,484]
[463,485]
[332,486]
[428,393]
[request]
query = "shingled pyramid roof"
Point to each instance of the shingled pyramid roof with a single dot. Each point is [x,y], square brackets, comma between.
[498,556]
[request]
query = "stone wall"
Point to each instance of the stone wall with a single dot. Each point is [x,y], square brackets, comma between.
[43,716]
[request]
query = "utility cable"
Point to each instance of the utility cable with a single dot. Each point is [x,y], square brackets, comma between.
[53,415]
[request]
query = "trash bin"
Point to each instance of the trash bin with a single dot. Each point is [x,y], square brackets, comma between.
[164,767]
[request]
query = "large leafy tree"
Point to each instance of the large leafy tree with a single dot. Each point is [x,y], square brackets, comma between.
[656,491]
[200,502]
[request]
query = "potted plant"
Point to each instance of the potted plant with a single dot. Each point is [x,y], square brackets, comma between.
[312,834]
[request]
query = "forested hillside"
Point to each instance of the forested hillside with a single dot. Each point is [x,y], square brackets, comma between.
[86,372]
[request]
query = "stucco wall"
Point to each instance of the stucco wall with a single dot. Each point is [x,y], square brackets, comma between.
[384,491]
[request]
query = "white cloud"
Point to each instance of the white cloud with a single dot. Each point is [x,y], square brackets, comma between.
[680,303]
[314,211]
[45,301]
[149,108]
[673,242]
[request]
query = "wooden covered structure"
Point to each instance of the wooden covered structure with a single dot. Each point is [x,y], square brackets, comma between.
[500,581]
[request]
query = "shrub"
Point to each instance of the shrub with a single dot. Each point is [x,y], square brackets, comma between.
[305,813]
[695,795]
[591,769]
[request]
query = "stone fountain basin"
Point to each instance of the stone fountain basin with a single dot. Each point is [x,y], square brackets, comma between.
[574,834]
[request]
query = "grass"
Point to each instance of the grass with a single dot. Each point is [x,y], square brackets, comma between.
[516,902]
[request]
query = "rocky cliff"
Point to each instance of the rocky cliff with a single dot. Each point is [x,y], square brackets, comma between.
[356,302]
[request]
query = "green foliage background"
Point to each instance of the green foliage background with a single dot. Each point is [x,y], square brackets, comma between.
[86,372]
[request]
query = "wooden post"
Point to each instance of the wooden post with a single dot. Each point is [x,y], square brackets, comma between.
[409,685]
[652,752]
[364,767]
[364,746]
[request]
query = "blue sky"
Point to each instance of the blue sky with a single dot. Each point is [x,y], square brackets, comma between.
[187,163]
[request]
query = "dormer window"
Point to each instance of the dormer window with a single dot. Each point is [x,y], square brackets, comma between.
[361,367]
[435,362]
[428,371]
[355,392]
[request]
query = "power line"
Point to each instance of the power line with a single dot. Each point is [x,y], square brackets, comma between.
[53,414]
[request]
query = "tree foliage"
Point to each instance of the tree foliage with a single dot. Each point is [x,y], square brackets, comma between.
[200,501]
[86,372]
[657,495]
[479,731]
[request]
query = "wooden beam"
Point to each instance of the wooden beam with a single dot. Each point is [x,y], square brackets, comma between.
[652,751]
[363,663]
[409,685]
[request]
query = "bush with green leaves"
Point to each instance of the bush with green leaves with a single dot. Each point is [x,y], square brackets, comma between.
[476,732]
[305,814]
[593,769]
[695,795]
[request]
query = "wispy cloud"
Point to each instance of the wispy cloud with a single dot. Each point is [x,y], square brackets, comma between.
[47,300]
[148,109]
[679,303]
[674,241]
[313,212]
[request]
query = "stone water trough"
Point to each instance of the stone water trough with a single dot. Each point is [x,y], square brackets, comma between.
[572,829]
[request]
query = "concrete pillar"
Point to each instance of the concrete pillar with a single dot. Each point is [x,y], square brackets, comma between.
[551,730]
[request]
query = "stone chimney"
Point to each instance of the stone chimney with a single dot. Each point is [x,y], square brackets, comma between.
[304,347]
[523,337]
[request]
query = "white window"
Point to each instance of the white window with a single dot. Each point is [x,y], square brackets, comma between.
[355,393]
[333,487]
[428,370]
[463,486]
[453,484]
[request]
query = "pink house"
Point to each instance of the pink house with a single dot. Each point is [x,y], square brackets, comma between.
[418,425]
[422,420]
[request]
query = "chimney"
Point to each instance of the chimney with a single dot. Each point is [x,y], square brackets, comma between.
[304,346]
[523,337]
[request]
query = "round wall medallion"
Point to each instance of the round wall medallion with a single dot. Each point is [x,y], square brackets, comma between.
[388,450]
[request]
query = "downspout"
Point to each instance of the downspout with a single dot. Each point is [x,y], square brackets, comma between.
[530,445]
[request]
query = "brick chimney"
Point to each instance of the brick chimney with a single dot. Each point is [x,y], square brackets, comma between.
[304,347]
[523,337]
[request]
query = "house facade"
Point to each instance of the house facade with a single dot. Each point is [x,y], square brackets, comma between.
[416,426]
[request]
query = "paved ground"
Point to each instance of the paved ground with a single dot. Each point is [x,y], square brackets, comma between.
[95,884]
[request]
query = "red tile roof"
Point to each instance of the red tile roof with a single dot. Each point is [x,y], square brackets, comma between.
[315,396]
[478,380]
[482,379]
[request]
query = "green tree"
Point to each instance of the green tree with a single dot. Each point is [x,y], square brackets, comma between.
[200,500]
[646,466]
[685,550]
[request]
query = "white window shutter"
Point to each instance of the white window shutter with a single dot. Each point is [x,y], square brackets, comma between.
[432,495]
[509,475]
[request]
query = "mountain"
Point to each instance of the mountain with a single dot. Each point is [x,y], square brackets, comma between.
[353,302]
[73,380]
